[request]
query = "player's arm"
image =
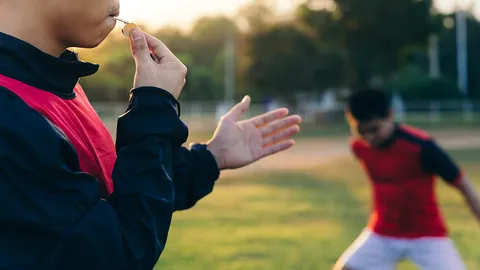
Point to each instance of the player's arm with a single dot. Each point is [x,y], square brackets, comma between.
[52,214]
[195,171]
[436,160]
[471,196]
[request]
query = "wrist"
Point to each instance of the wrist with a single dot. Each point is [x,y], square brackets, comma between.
[159,91]
[217,153]
[146,108]
[205,162]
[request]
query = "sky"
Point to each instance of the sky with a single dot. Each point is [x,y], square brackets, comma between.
[182,13]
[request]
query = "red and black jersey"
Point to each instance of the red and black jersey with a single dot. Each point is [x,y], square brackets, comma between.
[403,174]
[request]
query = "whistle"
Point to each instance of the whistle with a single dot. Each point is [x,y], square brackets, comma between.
[126,32]
[127,27]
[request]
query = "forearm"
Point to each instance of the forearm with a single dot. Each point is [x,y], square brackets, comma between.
[195,172]
[471,196]
[144,189]
[143,200]
[474,205]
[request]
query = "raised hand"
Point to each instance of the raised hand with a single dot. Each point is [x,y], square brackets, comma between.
[164,70]
[238,143]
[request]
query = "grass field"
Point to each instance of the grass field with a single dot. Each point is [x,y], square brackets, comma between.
[301,210]
[296,220]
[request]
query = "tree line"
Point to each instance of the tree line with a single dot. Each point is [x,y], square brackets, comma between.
[323,45]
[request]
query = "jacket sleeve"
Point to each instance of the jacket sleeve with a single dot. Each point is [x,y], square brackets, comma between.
[194,174]
[52,214]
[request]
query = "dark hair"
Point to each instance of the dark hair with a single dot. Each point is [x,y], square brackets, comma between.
[368,104]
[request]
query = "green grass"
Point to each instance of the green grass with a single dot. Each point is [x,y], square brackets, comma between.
[296,220]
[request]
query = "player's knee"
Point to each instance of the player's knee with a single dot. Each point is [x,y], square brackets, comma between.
[341,266]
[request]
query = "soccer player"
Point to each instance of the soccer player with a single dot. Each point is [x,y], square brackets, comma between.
[402,163]
[69,197]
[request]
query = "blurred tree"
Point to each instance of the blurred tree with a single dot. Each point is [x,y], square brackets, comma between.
[413,83]
[201,86]
[253,17]
[372,32]
[323,24]
[208,35]
[285,60]
[322,21]
[326,44]
[257,15]
[178,41]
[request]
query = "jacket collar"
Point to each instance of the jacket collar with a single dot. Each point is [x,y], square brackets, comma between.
[24,62]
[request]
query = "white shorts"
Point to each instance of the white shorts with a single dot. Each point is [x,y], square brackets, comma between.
[371,251]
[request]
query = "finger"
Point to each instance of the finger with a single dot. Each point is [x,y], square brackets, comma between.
[239,109]
[155,58]
[159,49]
[139,46]
[281,136]
[270,150]
[278,125]
[268,117]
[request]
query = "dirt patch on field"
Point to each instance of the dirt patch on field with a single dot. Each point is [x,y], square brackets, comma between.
[309,153]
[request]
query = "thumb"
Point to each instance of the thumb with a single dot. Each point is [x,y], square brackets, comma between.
[139,46]
[239,109]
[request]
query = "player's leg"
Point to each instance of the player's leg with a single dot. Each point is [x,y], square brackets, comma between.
[435,253]
[369,252]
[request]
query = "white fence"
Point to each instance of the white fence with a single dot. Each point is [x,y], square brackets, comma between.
[203,116]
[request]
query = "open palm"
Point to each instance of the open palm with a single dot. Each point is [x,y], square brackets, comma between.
[238,143]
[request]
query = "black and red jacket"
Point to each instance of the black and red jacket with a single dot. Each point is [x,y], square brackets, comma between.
[71,198]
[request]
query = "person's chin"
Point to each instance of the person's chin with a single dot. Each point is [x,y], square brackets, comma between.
[99,38]
[90,44]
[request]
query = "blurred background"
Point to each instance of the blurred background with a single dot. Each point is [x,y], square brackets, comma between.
[302,208]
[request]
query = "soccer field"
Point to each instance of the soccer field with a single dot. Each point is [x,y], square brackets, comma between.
[296,219]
